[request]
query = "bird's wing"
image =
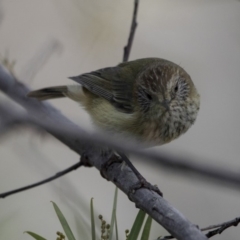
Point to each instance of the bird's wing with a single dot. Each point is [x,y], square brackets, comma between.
[115,84]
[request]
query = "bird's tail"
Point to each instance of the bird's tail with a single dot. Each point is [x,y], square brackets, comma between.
[49,93]
[74,92]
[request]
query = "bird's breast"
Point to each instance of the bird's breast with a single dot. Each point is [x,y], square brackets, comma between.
[153,132]
[167,127]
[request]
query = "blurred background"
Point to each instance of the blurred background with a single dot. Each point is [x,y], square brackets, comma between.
[53,39]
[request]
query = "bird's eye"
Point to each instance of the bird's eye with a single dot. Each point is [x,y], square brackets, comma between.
[176,88]
[148,96]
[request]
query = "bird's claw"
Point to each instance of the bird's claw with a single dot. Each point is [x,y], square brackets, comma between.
[108,163]
[142,183]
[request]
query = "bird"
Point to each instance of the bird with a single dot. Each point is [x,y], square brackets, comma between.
[151,100]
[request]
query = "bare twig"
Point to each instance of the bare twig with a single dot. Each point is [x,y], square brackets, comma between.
[57,175]
[218,228]
[127,48]
[221,227]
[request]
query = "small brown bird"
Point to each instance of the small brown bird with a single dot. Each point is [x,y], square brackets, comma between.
[151,99]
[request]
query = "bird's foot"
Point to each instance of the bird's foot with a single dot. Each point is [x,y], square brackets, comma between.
[108,163]
[143,183]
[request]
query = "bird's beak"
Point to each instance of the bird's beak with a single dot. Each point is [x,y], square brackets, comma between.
[165,104]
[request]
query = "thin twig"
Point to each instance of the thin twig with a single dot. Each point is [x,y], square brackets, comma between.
[219,225]
[127,48]
[222,227]
[57,175]
[219,228]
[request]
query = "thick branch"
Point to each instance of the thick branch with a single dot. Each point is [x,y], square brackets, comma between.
[157,207]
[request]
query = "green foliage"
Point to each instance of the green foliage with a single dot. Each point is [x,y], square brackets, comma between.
[106,229]
[147,229]
[36,236]
[114,216]
[137,225]
[64,223]
[92,220]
